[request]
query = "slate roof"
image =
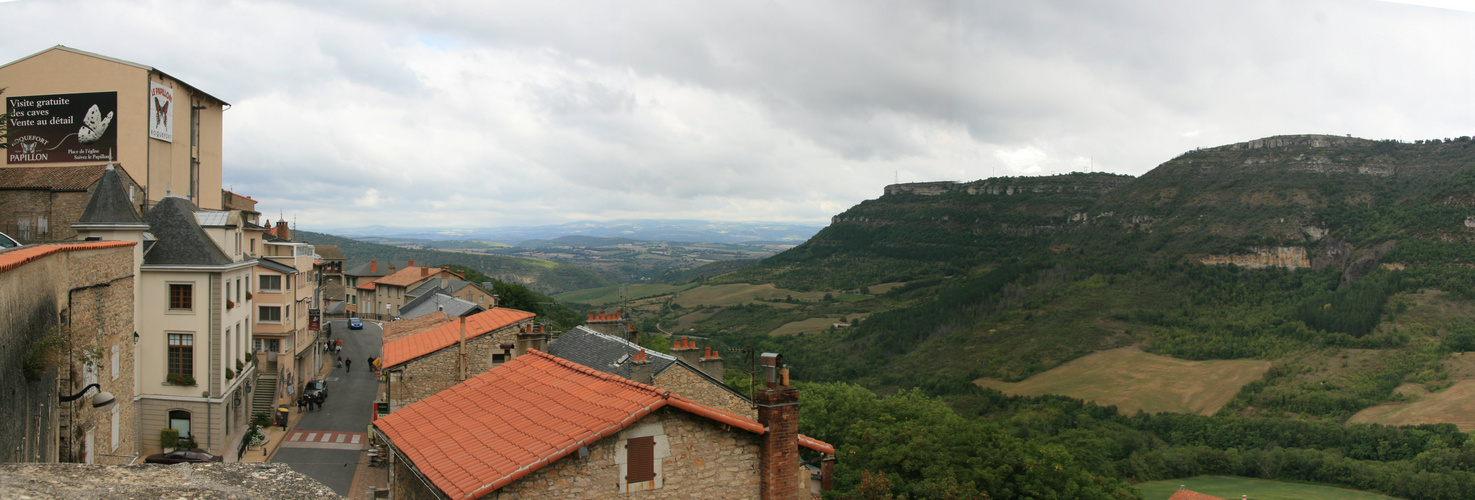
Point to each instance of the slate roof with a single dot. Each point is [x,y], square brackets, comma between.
[404,327]
[339,307]
[435,300]
[276,266]
[109,204]
[438,338]
[497,427]
[51,178]
[181,240]
[604,352]
[451,287]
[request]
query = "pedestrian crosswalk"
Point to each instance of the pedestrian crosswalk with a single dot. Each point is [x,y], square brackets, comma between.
[326,440]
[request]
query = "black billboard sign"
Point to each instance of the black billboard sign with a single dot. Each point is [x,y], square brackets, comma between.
[314,319]
[62,127]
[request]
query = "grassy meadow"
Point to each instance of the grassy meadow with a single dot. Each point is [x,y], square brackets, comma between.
[1134,380]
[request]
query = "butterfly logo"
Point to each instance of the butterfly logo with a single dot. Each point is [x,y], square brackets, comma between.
[27,147]
[161,107]
[93,125]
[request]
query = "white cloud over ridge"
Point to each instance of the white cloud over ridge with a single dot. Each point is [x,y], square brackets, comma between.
[522,113]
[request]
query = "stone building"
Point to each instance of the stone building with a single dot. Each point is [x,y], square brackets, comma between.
[543,427]
[164,132]
[69,309]
[425,363]
[615,355]
[40,204]
[383,297]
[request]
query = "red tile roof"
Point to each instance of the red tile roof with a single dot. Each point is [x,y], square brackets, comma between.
[443,336]
[411,275]
[1192,495]
[24,255]
[491,430]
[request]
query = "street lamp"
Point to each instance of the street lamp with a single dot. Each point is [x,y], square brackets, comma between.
[103,398]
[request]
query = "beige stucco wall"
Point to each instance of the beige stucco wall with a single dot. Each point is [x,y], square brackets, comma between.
[153,163]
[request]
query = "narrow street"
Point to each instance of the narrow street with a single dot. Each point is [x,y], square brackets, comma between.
[327,444]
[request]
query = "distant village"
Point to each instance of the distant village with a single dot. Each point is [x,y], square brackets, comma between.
[149,316]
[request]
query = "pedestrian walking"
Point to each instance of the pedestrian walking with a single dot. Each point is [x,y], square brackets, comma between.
[318,398]
[347,366]
[301,404]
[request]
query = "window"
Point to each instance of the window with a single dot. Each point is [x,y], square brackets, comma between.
[179,420]
[227,290]
[271,283]
[642,453]
[238,289]
[114,425]
[182,354]
[270,314]
[114,366]
[181,297]
[268,345]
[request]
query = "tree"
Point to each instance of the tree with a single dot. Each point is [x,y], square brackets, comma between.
[4,130]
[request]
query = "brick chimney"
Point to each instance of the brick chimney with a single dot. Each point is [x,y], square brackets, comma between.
[412,263]
[282,231]
[686,350]
[424,271]
[374,266]
[778,411]
[640,368]
[712,364]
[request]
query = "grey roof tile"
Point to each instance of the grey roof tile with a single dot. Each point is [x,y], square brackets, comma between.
[109,204]
[181,240]
[604,352]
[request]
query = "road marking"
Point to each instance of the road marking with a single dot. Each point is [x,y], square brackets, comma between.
[329,440]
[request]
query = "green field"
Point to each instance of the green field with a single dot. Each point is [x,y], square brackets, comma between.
[740,294]
[1134,380]
[611,294]
[1257,489]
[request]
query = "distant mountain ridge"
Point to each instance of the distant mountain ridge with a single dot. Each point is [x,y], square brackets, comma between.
[693,231]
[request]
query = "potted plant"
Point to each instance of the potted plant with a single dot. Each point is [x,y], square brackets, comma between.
[178,379]
[254,437]
[248,357]
[241,365]
[229,304]
[169,439]
[248,295]
[229,374]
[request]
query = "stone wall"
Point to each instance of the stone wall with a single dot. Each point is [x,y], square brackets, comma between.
[422,377]
[60,208]
[703,460]
[82,295]
[681,380]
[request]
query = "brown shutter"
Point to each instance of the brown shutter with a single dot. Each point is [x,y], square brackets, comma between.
[641,459]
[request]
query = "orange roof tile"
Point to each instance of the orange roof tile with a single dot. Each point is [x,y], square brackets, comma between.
[443,336]
[411,275]
[23,255]
[402,328]
[491,430]
[1192,495]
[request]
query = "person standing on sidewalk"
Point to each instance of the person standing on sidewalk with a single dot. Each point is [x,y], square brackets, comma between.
[347,366]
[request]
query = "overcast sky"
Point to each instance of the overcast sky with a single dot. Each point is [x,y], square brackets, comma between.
[478,113]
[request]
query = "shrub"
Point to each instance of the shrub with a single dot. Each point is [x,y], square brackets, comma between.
[169,438]
[177,379]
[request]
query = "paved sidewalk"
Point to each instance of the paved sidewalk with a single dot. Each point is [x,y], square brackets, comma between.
[368,476]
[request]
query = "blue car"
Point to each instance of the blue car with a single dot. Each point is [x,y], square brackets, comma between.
[355,324]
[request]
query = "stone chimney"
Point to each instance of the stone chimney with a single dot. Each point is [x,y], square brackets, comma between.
[531,336]
[283,231]
[640,368]
[778,411]
[686,351]
[712,364]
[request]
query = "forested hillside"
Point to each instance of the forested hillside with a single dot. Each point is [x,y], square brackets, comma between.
[1345,263]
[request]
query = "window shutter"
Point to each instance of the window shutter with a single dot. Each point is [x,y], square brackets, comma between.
[641,457]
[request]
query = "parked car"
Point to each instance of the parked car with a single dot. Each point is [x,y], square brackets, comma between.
[316,386]
[355,324]
[8,242]
[182,455]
